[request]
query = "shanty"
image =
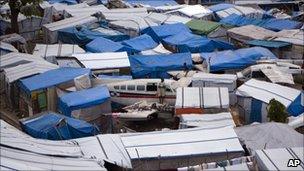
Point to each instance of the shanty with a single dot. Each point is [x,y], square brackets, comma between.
[152,85]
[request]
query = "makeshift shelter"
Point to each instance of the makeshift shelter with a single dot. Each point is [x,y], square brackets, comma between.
[220,7]
[216,80]
[202,27]
[278,159]
[157,66]
[239,11]
[238,59]
[6,48]
[254,96]
[151,3]
[107,46]
[105,61]
[84,35]
[180,148]
[51,30]
[50,52]
[39,92]
[269,135]
[208,121]
[53,126]
[158,50]
[87,104]
[140,43]
[199,100]
[193,11]
[269,23]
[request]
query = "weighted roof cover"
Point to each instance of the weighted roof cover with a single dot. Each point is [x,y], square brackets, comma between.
[52,78]
[156,66]
[83,99]
[238,59]
[54,126]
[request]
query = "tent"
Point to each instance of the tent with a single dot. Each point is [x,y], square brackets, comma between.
[193,11]
[140,43]
[54,126]
[85,35]
[279,158]
[269,135]
[255,95]
[220,7]
[209,121]
[156,66]
[238,59]
[202,27]
[240,11]
[69,2]
[6,48]
[201,100]
[269,23]
[83,99]
[152,3]
[101,44]
[52,78]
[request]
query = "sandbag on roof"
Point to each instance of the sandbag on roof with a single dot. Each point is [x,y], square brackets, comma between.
[202,27]
[156,66]
[270,23]
[238,59]
[53,126]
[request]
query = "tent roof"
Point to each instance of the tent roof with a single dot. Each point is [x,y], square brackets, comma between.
[107,46]
[14,59]
[268,43]
[195,11]
[45,50]
[202,97]
[295,36]
[52,78]
[216,120]
[107,60]
[202,27]
[82,99]
[141,43]
[7,47]
[153,3]
[228,78]
[266,91]
[238,59]
[181,143]
[220,7]
[269,134]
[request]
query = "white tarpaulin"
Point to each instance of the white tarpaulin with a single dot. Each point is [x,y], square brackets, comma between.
[48,50]
[193,11]
[202,97]
[209,121]
[108,60]
[241,10]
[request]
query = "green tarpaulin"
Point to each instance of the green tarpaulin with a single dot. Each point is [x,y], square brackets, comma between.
[202,27]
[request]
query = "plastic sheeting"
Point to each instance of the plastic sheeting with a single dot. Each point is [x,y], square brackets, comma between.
[101,44]
[54,126]
[83,99]
[69,2]
[268,43]
[157,66]
[152,3]
[270,23]
[141,43]
[52,78]
[220,7]
[237,59]
[202,27]
[85,35]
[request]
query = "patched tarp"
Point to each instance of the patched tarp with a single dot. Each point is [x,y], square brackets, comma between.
[238,59]
[157,66]
[53,126]
[83,99]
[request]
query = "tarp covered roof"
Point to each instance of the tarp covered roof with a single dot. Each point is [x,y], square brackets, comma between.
[46,50]
[153,3]
[141,43]
[83,99]
[220,7]
[54,126]
[101,44]
[84,35]
[52,78]
[238,59]
[265,91]
[268,43]
[202,27]
[270,23]
[156,66]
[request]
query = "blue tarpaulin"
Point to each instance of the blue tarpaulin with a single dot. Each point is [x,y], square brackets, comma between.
[83,99]
[270,23]
[296,108]
[140,43]
[220,7]
[53,126]
[160,32]
[101,44]
[69,2]
[188,42]
[268,43]
[152,3]
[84,35]
[52,78]
[238,59]
[157,66]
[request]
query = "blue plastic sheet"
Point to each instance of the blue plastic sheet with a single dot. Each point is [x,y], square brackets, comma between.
[140,43]
[101,44]
[296,108]
[157,66]
[238,59]
[84,35]
[220,7]
[69,2]
[268,43]
[53,126]
[52,78]
[153,3]
[269,23]
[83,99]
